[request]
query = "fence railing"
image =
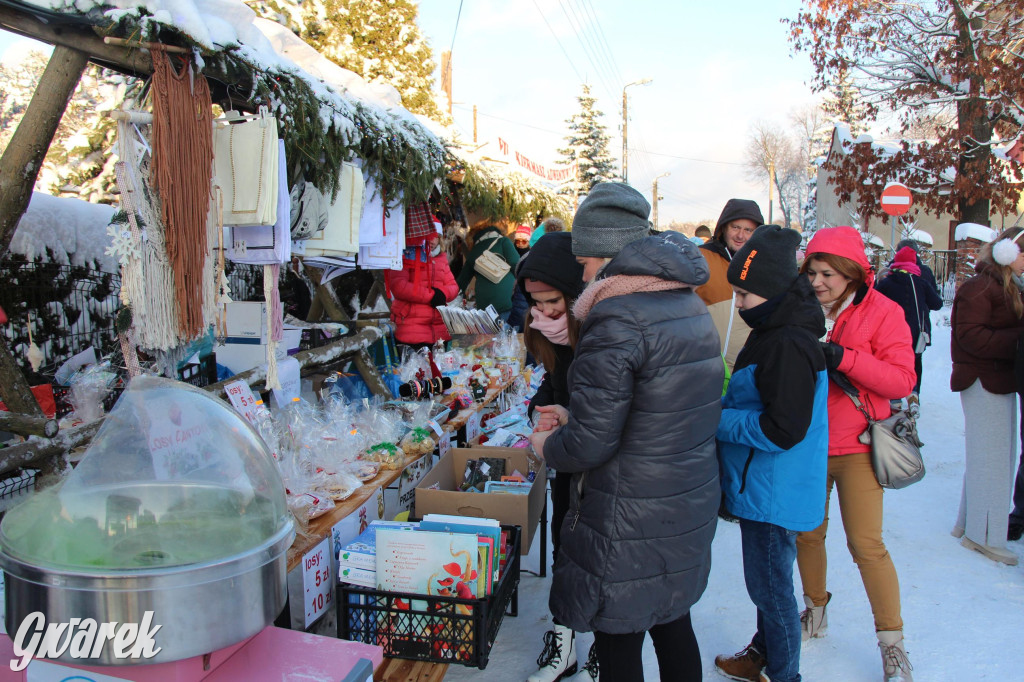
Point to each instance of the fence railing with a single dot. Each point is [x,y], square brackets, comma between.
[68,308]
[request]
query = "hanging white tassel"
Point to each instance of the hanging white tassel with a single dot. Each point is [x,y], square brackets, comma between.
[269,291]
[35,356]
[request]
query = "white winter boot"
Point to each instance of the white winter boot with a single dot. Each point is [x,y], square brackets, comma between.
[814,619]
[895,664]
[558,659]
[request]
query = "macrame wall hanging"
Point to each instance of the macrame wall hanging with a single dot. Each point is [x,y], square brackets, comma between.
[182,157]
[147,282]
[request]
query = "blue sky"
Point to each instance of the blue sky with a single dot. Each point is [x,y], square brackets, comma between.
[716,68]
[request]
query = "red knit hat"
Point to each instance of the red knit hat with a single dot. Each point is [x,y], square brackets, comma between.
[523,232]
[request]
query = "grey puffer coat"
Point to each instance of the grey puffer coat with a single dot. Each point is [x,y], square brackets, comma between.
[645,403]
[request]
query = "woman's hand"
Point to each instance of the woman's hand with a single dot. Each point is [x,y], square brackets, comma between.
[537,440]
[550,417]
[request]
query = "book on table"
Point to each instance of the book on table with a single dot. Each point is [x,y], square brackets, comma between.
[482,527]
[437,564]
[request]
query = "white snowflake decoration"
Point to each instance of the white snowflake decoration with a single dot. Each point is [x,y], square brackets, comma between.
[122,246]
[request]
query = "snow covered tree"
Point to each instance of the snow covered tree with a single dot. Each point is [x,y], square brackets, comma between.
[79,160]
[373,38]
[842,104]
[587,147]
[946,57]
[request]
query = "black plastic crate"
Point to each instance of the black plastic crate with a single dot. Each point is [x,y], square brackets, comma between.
[438,633]
[203,374]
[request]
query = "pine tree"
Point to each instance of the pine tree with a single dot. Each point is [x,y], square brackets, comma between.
[843,104]
[373,38]
[587,147]
[79,160]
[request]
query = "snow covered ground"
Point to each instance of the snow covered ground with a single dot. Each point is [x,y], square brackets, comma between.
[963,614]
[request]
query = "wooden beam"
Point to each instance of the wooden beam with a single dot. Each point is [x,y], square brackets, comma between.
[37,450]
[23,425]
[14,389]
[23,158]
[81,38]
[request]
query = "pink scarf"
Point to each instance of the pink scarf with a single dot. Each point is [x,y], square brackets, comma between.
[555,330]
[619,285]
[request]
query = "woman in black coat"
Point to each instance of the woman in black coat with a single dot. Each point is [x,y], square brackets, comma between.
[917,296]
[551,280]
[639,437]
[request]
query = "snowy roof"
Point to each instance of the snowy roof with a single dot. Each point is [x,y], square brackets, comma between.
[872,239]
[352,111]
[974,231]
[921,237]
[74,230]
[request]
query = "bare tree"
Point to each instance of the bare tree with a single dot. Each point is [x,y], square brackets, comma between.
[772,157]
[911,57]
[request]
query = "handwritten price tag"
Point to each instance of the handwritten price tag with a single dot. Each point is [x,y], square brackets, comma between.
[473,427]
[242,399]
[317,586]
[444,444]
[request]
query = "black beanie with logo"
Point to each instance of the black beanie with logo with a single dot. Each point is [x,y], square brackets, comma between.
[766,264]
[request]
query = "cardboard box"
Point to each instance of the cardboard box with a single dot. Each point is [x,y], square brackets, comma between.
[518,510]
[241,356]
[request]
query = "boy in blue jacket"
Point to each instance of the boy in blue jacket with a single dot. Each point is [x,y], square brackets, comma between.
[773,443]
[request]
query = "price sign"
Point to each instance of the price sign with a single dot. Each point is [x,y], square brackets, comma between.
[444,444]
[242,399]
[317,586]
[435,427]
[473,427]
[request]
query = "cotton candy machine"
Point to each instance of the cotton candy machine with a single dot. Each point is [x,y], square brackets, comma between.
[176,508]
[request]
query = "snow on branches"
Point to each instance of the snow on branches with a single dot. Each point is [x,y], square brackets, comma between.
[919,59]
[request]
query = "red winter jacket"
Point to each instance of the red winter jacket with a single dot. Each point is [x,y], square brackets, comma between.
[412,287]
[878,356]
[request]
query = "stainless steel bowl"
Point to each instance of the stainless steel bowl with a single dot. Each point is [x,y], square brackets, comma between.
[201,607]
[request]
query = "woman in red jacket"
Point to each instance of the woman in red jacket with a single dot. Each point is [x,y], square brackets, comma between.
[424,282]
[868,341]
[988,320]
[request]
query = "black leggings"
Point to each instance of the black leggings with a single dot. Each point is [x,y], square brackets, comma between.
[621,656]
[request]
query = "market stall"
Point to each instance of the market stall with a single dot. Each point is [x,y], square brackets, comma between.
[240,185]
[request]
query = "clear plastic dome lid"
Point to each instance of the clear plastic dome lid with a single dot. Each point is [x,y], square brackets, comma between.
[174,476]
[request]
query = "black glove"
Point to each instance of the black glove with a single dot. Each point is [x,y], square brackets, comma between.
[833,354]
[438,298]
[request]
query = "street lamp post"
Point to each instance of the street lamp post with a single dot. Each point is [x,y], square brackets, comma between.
[625,119]
[654,203]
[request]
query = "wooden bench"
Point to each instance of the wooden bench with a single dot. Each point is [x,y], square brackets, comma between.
[400,670]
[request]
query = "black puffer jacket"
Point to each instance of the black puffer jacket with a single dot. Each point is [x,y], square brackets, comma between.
[645,403]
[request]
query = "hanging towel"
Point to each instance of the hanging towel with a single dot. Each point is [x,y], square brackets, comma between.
[341,235]
[387,253]
[265,244]
[245,167]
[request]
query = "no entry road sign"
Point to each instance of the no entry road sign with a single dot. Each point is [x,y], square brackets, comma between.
[896,199]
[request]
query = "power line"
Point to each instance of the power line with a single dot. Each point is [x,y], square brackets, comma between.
[509,120]
[555,36]
[451,49]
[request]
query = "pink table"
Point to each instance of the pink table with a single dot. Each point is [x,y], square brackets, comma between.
[274,653]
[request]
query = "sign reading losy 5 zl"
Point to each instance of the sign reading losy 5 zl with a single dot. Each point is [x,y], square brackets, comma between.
[82,639]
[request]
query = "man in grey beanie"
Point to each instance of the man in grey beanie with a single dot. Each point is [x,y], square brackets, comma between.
[613,215]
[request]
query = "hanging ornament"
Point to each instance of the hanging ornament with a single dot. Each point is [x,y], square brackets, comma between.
[34,355]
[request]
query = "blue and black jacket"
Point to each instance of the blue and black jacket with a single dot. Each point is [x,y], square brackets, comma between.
[773,436]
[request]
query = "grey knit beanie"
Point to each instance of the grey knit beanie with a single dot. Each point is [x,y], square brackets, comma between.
[766,264]
[613,215]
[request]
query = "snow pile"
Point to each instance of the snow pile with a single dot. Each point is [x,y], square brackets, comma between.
[74,230]
[974,231]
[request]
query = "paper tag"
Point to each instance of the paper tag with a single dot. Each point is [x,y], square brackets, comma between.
[435,426]
[444,445]
[242,399]
[288,375]
[473,427]
[317,586]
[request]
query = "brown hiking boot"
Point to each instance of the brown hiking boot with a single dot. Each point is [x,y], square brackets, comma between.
[746,665]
